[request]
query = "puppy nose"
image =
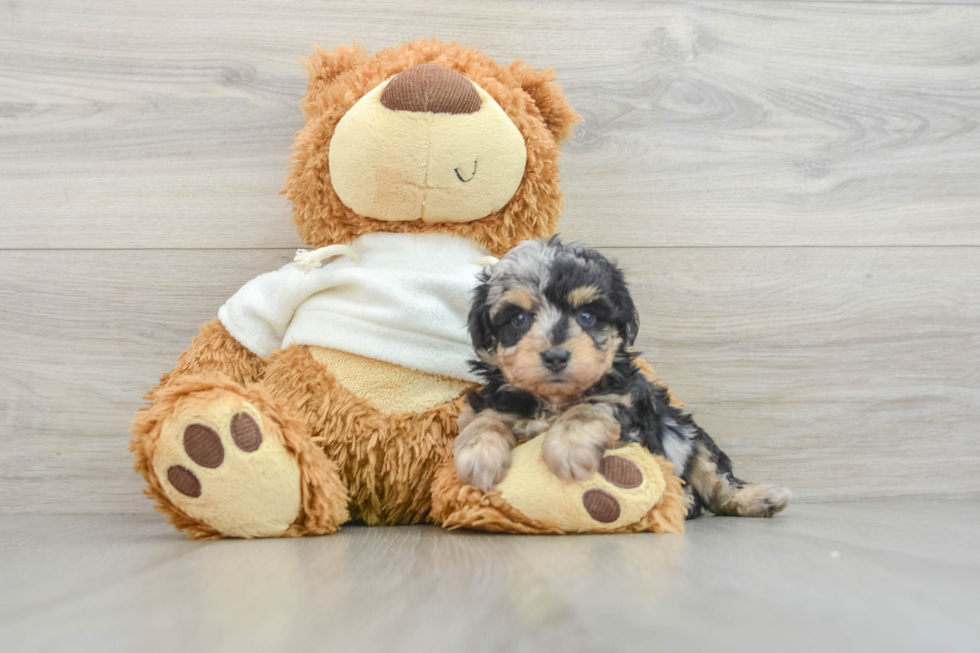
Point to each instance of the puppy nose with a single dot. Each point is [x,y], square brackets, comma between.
[433,88]
[555,359]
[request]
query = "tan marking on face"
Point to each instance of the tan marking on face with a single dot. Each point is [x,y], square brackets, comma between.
[521,364]
[582,295]
[589,363]
[518,296]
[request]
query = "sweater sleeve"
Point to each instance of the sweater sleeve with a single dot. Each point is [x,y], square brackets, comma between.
[258,314]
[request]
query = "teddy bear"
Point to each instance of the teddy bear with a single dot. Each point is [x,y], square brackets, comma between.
[329,390]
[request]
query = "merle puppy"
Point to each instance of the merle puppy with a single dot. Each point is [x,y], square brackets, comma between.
[553,327]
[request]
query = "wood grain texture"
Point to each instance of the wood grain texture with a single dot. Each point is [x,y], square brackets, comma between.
[145,125]
[895,575]
[839,372]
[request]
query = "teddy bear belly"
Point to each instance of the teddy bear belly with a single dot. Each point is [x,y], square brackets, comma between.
[390,388]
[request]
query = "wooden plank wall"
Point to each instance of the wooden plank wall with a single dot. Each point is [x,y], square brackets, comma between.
[794,188]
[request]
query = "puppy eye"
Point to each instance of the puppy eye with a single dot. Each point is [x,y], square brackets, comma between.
[519,320]
[586,319]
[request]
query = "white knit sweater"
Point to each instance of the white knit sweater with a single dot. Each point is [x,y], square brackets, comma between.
[405,301]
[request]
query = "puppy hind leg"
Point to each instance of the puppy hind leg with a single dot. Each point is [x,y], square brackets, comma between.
[713,482]
[695,507]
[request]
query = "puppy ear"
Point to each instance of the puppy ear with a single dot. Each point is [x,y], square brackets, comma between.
[630,329]
[550,100]
[628,321]
[323,67]
[481,330]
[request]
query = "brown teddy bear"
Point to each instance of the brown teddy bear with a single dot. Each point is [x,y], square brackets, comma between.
[324,393]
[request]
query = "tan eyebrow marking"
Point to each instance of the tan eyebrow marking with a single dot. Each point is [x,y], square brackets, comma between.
[582,295]
[519,296]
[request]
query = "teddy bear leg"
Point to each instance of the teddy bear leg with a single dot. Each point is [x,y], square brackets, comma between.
[223,460]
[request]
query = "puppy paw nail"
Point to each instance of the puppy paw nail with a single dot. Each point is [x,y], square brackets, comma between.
[620,472]
[601,505]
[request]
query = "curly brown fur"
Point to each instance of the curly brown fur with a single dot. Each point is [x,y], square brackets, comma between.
[339,79]
[553,326]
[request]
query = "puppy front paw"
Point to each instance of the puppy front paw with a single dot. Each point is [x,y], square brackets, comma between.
[574,445]
[571,459]
[482,452]
[482,464]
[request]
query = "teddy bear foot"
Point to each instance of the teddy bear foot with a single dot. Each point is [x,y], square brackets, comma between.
[631,491]
[221,469]
[229,462]
[616,497]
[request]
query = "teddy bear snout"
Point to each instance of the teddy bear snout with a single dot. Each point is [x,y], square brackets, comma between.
[431,88]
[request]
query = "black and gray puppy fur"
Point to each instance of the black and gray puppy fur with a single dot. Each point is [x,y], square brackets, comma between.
[551,271]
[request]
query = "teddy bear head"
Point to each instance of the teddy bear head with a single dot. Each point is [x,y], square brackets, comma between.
[427,137]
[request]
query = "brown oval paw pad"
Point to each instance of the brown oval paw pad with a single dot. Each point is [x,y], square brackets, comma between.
[245,432]
[203,446]
[601,505]
[184,481]
[621,472]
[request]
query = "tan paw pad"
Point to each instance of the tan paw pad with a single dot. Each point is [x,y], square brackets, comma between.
[216,464]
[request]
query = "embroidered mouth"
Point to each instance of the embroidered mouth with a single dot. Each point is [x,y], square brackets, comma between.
[472,174]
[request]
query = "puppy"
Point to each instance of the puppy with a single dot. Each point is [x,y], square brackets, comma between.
[553,326]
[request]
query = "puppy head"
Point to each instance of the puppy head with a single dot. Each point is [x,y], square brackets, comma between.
[551,317]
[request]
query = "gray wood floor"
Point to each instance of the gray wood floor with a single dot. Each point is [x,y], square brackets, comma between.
[892,575]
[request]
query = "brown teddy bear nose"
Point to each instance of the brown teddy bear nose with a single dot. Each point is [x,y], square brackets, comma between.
[433,88]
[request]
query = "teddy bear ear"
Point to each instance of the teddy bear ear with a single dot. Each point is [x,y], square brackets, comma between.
[550,100]
[323,67]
